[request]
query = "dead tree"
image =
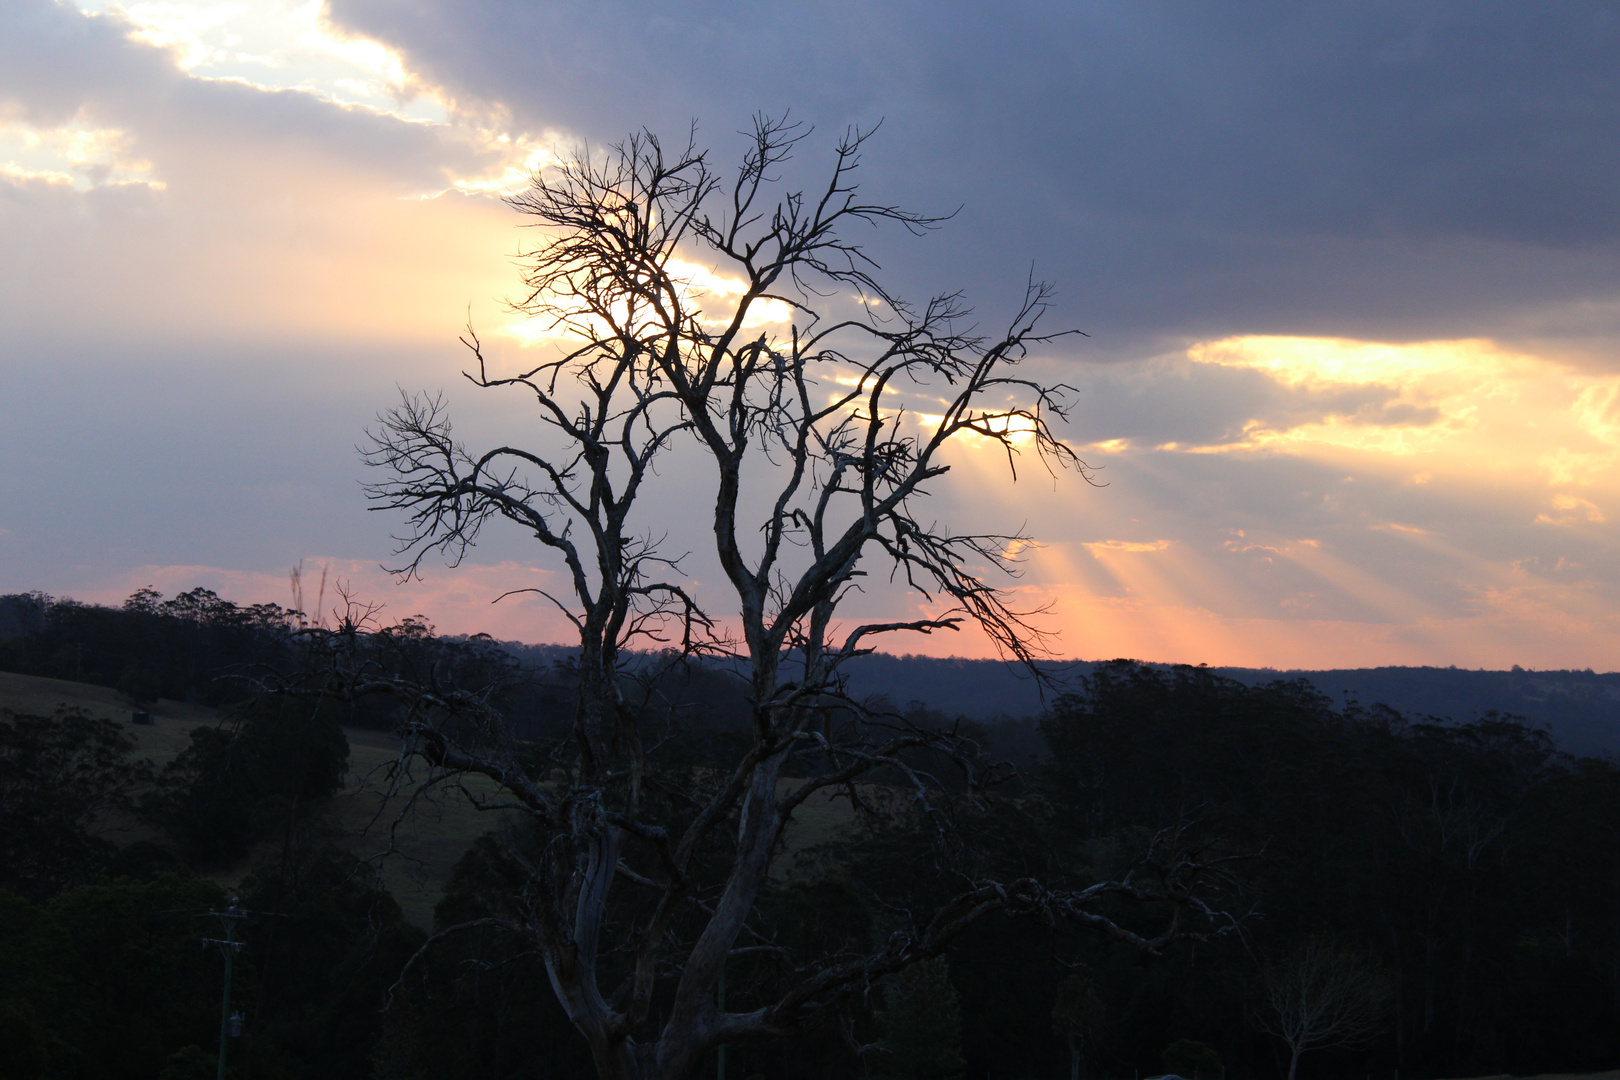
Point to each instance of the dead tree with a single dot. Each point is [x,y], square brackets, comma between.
[820,433]
[1320,997]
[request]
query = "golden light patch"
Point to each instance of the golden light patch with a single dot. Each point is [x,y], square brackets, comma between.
[1016,548]
[1302,361]
[14,172]
[278,45]
[988,430]
[1488,408]
[1241,545]
[384,64]
[694,281]
[180,28]
[517,161]
[79,153]
[1597,409]
[701,281]
[1099,547]
[1571,509]
[1571,502]
[282,45]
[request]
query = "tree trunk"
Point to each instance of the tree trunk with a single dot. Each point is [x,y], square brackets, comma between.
[1429,949]
[1400,998]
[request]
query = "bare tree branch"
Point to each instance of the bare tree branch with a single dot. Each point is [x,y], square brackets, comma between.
[826,410]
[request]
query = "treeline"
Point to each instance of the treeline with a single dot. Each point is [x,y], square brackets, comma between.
[1581,709]
[1466,874]
[1472,866]
[198,647]
[150,648]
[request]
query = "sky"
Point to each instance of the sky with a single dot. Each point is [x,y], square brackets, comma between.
[1350,276]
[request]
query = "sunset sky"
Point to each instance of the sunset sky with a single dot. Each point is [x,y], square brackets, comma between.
[1350,275]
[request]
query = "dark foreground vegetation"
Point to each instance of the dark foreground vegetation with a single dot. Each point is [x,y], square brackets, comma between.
[1454,887]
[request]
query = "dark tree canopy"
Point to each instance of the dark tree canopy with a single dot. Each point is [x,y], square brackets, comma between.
[61,776]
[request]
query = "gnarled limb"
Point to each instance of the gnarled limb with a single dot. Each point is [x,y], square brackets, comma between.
[854,406]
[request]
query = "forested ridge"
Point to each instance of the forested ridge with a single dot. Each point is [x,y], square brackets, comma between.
[1580,709]
[1467,873]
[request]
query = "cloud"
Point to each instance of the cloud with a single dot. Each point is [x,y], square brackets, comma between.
[1352,274]
[266,212]
[62,69]
[1388,502]
[1184,402]
[1103,547]
[1371,171]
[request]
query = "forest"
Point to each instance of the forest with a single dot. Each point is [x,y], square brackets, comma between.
[1445,892]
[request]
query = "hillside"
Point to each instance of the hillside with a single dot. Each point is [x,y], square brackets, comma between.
[429,837]
[425,837]
[1581,709]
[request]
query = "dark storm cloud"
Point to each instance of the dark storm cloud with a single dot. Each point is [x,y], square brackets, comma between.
[1376,170]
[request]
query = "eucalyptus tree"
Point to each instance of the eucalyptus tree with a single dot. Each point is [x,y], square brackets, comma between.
[822,408]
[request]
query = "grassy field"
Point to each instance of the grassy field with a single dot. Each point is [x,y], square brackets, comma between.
[427,842]
[424,840]
[168,735]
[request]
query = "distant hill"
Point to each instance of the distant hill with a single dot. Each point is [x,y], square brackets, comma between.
[153,648]
[1581,709]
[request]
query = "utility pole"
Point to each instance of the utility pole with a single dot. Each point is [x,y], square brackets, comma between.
[227,947]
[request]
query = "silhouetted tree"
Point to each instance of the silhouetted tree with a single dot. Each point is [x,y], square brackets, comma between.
[641,881]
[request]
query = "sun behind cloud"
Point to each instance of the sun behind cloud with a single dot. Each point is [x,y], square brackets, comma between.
[1466,526]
